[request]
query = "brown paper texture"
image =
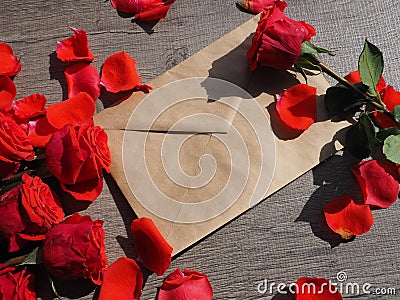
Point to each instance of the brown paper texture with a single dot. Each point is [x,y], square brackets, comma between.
[197,151]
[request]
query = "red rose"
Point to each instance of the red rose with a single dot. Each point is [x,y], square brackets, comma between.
[34,210]
[75,249]
[13,140]
[187,285]
[16,284]
[77,155]
[277,41]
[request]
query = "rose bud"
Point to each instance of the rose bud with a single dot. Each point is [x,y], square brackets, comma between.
[75,249]
[16,283]
[77,156]
[278,39]
[34,210]
[185,285]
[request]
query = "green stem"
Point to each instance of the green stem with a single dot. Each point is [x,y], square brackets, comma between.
[14,178]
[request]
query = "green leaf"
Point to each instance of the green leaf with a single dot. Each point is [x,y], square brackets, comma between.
[339,98]
[301,70]
[310,48]
[396,113]
[357,143]
[391,148]
[370,130]
[384,133]
[370,65]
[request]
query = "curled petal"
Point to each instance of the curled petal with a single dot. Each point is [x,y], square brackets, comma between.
[87,190]
[123,280]
[190,284]
[316,289]
[354,77]
[297,106]
[156,13]
[30,107]
[8,92]
[9,64]
[83,77]
[377,182]
[74,48]
[119,73]
[347,218]
[390,97]
[145,10]
[255,6]
[310,29]
[153,251]
[74,111]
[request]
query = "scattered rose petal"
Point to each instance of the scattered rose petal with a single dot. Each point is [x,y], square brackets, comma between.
[190,284]
[83,77]
[74,48]
[8,92]
[153,251]
[145,10]
[30,107]
[347,218]
[9,64]
[316,289]
[255,6]
[74,111]
[119,73]
[377,182]
[297,106]
[354,77]
[122,280]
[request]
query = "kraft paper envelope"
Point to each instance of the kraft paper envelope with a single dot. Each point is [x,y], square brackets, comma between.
[199,149]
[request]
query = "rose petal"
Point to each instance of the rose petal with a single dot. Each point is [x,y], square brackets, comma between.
[347,218]
[119,73]
[354,77]
[30,107]
[190,284]
[390,97]
[87,190]
[156,13]
[123,280]
[9,64]
[8,92]
[21,240]
[83,77]
[316,289]
[74,111]
[310,29]
[74,48]
[153,251]
[297,106]
[377,182]
[255,6]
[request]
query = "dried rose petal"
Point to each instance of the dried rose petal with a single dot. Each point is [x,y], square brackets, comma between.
[74,48]
[347,218]
[377,182]
[153,251]
[119,73]
[122,280]
[83,77]
[8,92]
[9,64]
[74,111]
[316,289]
[255,6]
[297,106]
[190,284]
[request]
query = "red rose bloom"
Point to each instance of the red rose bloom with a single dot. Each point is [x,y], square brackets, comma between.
[16,284]
[13,140]
[187,285]
[75,249]
[77,155]
[277,41]
[34,210]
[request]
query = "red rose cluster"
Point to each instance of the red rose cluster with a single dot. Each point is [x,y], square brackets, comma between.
[61,140]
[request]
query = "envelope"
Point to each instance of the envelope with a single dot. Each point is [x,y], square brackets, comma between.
[207,144]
